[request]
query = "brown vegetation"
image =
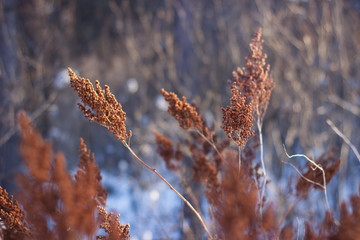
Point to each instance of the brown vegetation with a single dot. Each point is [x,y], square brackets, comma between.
[49,194]
[238,207]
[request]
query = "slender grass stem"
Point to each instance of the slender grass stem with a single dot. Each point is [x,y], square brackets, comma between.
[171,187]
[239,150]
[259,126]
[345,138]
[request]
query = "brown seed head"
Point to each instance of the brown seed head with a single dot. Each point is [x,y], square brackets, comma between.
[12,217]
[254,80]
[183,112]
[103,107]
[237,118]
[112,226]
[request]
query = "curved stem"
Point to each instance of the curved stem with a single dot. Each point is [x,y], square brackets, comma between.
[171,187]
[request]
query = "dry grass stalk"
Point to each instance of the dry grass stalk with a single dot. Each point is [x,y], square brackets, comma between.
[251,90]
[345,138]
[102,106]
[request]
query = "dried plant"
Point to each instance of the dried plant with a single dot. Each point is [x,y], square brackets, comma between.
[318,174]
[251,86]
[206,172]
[183,112]
[111,225]
[313,177]
[349,227]
[50,193]
[254,81]
[238,118]
[12,219]
[189,119]
[101,105]
[166,150]
[237,214]
[236,197]
[55,202]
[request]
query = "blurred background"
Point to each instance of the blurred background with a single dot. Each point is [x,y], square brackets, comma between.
[190,47]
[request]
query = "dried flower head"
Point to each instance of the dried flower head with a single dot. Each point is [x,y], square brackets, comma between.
[12,217]
[254,81]
[183,112]
[88,172]
[103,106]
[68,203]
[112,226]
[206,172]
[166,151]
[238,118]
[37,151]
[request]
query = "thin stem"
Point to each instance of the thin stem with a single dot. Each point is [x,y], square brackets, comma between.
[316,166]
[239,150]
[211,142]
[171,187]
[259,125]
[301,175]
[345,138]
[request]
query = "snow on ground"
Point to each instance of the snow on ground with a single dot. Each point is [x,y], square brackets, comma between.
[151,211]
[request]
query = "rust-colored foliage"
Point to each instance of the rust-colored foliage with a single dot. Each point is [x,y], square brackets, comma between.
[12,219]
[104,108]
[111,225]
[52,195]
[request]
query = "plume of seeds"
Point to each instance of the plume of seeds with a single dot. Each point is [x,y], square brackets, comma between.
[182,111]
[254,81]
[103,106]
[238,118]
